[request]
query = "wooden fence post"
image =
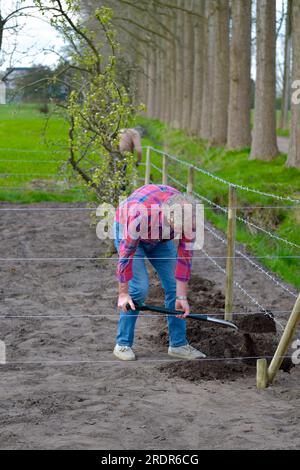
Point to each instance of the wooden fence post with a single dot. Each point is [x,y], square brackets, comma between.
[262,374]
[190,181]
[285,341]
[165,170]
[148,166]
[231,230]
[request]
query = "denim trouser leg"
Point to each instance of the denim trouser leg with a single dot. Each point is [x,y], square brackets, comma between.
[138,290]
[163,259]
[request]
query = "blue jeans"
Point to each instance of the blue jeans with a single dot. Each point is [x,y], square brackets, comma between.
[162,256]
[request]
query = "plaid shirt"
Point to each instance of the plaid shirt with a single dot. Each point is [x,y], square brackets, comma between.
[148,196]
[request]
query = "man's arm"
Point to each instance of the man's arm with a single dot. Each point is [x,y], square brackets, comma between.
[182,302]
[124,297]
[127,249]
[182,275]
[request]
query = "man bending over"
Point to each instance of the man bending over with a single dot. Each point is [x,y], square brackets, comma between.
[145,227]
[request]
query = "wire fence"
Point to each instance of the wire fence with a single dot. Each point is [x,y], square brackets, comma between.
[237,253]
[250,261]
[49,151]
[223,181]
[10,160]
[132,363]
[213,259]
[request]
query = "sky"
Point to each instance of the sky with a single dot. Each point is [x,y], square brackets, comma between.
[35,36]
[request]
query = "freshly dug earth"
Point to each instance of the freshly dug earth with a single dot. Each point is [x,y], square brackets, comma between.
[256,337]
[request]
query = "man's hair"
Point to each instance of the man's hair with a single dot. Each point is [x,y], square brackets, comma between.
[174,209]
[180,198]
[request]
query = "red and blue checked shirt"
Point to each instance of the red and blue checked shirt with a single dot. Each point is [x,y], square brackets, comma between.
[148,196]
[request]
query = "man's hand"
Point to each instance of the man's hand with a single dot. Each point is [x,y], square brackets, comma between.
[184,306]
[123,300]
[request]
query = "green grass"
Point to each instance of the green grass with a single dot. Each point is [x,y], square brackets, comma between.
[283,133]
[271,177]
[22,137]
[33,149]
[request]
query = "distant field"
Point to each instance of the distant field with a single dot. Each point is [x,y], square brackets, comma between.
[33,150]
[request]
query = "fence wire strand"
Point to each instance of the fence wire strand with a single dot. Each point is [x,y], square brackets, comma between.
[223,181]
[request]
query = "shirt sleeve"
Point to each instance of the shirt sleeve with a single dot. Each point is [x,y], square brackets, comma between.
[127,249]
[184,260]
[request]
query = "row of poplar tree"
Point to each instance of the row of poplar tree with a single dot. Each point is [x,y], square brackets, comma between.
[192,62]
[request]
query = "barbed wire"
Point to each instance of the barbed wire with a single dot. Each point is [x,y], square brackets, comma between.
[36,175]
[250,260]
[41,209]
[156,167]
[140,315]
[59,189]
[71,317]
[47,209]
[217,206]
[133,363]
[223,181]
[267,232]
[248,222]
[105,258]
[241,219]
[32,150]
[177,181]
[6,160]
[245,292]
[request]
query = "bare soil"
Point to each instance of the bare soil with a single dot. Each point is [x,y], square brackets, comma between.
[63,389]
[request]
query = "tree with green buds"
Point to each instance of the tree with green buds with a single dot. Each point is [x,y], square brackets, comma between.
[98,106]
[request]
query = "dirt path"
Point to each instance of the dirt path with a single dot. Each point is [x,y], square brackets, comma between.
[283,144]
[98,402]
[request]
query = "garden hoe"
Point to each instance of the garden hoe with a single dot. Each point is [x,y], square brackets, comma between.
[192,316]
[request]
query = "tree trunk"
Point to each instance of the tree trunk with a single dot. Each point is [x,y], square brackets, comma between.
[151,83]
[208,72]
[294,149]
[179,68]
[264,145]
[140,89]
[188,67]
[158,83]
[239,117]
[221,75]
[168,74]
[146,78]
[173,76]
[199,30]
[285,106]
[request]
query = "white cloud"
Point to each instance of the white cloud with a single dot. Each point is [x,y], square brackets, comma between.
[34,38]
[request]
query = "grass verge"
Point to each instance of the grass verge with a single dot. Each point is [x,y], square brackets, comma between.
[281,218]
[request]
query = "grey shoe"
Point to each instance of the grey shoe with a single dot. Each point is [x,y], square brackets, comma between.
[186,352]
[124,353]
